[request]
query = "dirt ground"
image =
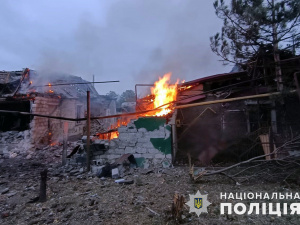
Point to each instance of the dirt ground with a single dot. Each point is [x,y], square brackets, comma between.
[76,197]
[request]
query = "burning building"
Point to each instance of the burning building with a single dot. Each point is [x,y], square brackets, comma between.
[224,117]
[230,116]
[56,95]
[145,134]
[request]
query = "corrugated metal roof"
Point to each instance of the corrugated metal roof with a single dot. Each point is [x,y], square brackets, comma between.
[214,78]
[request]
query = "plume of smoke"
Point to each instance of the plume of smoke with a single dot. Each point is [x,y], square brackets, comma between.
[139,41]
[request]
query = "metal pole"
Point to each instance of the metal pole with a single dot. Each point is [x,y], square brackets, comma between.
[65,136]
[88,131]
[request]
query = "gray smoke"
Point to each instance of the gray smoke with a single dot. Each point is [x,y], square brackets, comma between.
[135,43]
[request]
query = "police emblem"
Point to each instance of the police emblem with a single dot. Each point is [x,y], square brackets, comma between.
[198,203]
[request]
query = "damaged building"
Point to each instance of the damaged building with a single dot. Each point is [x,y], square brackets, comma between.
[51,94]
[225,117]
[256,119]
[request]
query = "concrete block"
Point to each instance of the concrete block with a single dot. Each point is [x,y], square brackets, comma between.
[120,151]
[141,150]
[132,144]
[115,173]
[132,130]
[123,136]
[139,135]
[129,150]
[139,145]
[122,129]
[132,137]
[113,144]
[136,155]
[122,145]
[143,139]
[143,130]
[153,151]
[148,156]
[148,145]
[159,156]
[111,151]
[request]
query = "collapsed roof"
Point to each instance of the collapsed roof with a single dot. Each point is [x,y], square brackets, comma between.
[14,83]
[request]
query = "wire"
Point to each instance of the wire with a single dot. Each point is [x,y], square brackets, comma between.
[98,82]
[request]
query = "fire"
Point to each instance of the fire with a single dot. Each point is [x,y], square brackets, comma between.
[161,94]
[30,82]
[182,88]
[114,135]
[164,93]
[50,91]
[49,84]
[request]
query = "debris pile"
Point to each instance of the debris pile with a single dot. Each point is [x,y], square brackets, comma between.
[14,143]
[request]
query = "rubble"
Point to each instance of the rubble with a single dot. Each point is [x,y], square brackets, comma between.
[115,173]
[91,200]
[15,143]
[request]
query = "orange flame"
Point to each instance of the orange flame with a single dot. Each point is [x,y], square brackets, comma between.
[49,84]
[114,135]
[183,88]
[164,93]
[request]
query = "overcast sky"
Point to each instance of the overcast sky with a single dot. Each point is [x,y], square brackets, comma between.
[134,41]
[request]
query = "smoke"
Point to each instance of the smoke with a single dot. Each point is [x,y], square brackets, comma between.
[134,41]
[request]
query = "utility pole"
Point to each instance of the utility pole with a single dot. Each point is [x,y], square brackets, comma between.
[88,131]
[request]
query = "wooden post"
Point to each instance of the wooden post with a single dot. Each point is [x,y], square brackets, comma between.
[65,144]
[43,186]
[273,118]
[88,132]
[297,83]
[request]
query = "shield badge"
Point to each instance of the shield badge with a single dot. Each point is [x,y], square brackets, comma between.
[198,203]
